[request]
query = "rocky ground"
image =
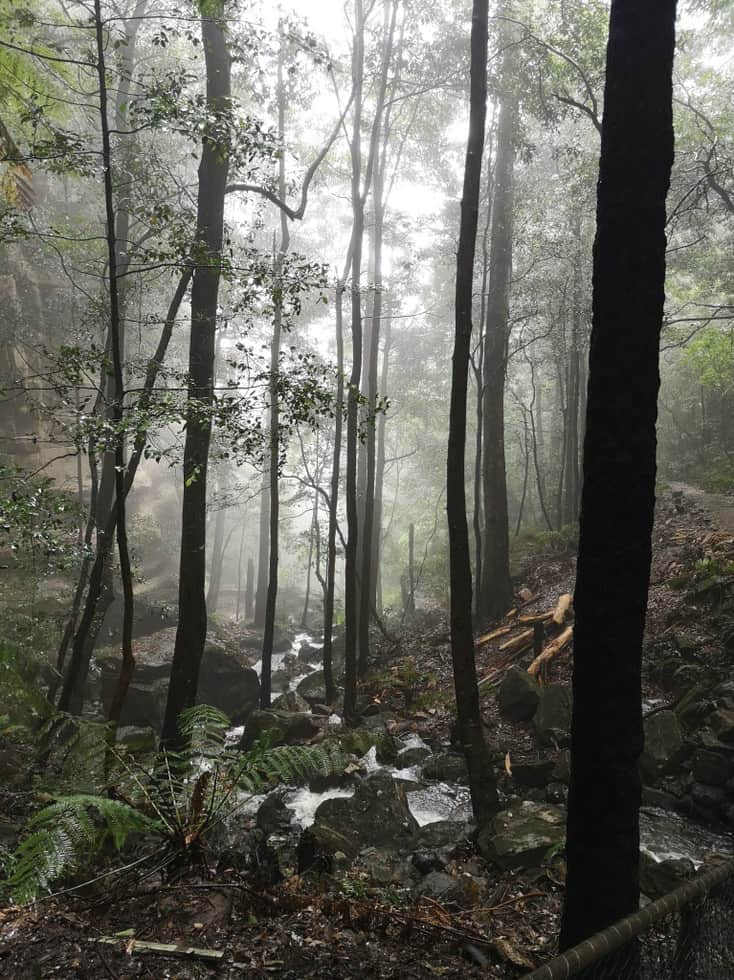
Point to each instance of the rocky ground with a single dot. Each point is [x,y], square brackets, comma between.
[377,870]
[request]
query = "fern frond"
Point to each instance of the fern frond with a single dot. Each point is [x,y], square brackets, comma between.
[66,835]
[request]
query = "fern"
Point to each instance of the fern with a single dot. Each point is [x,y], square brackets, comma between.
[177,803]
[65,835]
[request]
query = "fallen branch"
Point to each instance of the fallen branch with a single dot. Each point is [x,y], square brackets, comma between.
[501,631]
[163,949]
[518,642]
[551,651]
[532,619]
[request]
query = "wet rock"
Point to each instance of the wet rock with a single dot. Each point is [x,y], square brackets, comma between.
[707,797]
[273,816]
[280,681]
[413,756]
[533,774]
[663,743]
[463,890]
[562,768]
[322,848]
[712,767]
[309,653]
[442,833]
[225,681]
[657,878]
[553,716]
[376,816]
[556,793]
[290,701]
[426,861]
[359,741]
[228,684]
[521,837]
[518,695]
[722,722]
[313,688]
[448,767]
[281,727]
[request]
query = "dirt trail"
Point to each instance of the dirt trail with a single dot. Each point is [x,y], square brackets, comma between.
[718,506]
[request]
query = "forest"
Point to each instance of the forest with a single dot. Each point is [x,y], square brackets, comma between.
[366,489]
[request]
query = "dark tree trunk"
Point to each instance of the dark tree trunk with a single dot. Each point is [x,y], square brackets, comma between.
[213,168]
[618,494]
[410,605]
[351,608]
[481,781]
[495,596]
[249,590]
[334,498]
[239,572]
[263,552]
[573,389]
[313,531]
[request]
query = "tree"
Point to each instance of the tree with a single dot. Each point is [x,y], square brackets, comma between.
[481,783]
[618,493]
[213,171]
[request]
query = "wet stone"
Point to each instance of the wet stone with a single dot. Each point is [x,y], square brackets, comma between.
[518,695]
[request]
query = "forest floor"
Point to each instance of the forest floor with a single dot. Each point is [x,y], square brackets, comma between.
[305,929]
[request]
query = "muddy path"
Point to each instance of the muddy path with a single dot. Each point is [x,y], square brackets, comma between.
[718,506]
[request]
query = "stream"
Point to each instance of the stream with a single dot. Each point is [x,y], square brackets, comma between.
[664,834]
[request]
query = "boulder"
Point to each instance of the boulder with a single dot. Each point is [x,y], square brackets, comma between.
[663,743]
[463,890]
[358,741]
[448,767]
[518,695]
[521,837]
[227,683]
[376,816]
[533,774]
[290,701]
[322,848]
[657,878]
[281,728]
[310,654]
[722,722]
[412,756]
[712,767]
[553,716]
[313,688]
[280,681]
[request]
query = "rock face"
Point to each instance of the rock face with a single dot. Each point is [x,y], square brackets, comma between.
[663,743]
[376,816]
[224,680]
[518,695]
[313,688]
[522,836]
[281,727]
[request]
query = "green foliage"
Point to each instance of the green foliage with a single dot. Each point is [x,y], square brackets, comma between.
[36,519]
[174,804]
[711,357]
[66,834]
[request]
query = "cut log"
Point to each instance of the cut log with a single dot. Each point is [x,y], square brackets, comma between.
[501,631]
[551,651]
[562,608]
[523,639]
[531,618]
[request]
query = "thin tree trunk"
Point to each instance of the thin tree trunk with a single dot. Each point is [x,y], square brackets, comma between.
[272,596]
[312,532]
[481,780]
[618,496]
[213,169]
[410,606]
[496,591]
[380,466]
[334,496]
[239,572]
[263,551]
[249,590]
[216,561]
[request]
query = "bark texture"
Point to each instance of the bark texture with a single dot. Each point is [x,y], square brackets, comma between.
[618,494]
